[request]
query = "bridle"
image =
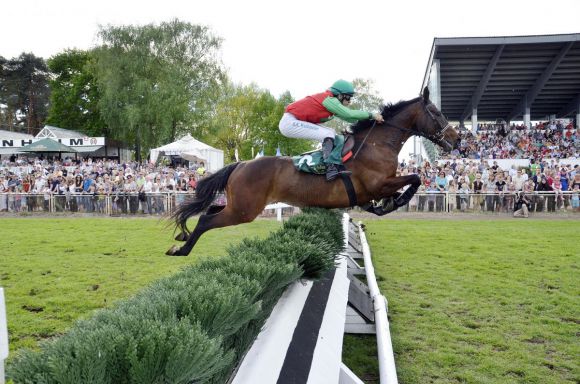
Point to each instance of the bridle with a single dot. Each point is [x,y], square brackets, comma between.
[436,137]
[440,120]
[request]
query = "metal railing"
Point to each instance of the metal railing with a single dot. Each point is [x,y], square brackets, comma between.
[493,202]
[99,204]
[165,203]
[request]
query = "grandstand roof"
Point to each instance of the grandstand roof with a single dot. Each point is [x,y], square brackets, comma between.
[500,76]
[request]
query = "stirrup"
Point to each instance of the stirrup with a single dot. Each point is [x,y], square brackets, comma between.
[332,172]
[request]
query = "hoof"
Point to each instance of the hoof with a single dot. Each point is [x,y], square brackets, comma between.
[182,236]
[173,251]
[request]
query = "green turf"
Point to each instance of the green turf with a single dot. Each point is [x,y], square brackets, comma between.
[55,271]
[477,301]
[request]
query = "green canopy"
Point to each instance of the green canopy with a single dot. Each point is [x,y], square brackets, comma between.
[47,145]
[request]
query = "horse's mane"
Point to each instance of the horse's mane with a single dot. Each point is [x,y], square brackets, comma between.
[388,111]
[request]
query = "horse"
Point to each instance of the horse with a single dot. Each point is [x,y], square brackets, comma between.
[251,185]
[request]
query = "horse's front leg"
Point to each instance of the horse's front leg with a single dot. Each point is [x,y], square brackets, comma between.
[391,198]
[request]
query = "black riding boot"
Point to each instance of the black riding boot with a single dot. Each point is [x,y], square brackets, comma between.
[331,169]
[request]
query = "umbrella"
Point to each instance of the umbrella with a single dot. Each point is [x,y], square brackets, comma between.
[47,145]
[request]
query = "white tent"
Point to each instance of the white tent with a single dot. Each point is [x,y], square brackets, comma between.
[191,149]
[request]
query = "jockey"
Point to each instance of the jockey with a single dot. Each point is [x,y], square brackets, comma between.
[302,118]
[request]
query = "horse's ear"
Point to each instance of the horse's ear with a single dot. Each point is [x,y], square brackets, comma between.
[426,93]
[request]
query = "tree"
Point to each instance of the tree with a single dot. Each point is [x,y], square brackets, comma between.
[74,94]
[24,91]
[246,119]
[366,99]
[153,80]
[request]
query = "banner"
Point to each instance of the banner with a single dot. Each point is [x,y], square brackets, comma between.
[71,142]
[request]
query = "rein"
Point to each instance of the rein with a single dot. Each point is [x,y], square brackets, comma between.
[364,140]
[439,136]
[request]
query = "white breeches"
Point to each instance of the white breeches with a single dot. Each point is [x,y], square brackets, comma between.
[296,129]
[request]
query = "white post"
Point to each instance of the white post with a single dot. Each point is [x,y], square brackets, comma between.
[527,118]
[279,214]
[3,335]
[474,127]
[387,368]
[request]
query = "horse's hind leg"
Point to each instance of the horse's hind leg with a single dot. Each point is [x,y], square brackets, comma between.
[224,218]
[183,234]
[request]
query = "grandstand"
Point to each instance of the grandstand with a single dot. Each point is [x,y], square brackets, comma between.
[506,79]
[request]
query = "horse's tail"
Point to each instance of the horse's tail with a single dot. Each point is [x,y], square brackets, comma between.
[205,193]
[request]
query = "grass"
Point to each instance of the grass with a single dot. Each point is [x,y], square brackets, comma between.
[55,271]
[479,301]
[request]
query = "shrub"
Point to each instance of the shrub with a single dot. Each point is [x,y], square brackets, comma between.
[194,325]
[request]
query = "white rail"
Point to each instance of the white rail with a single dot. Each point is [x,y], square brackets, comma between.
[3,335]
[387,369]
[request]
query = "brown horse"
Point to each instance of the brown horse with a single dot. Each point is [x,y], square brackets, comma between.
[251,185]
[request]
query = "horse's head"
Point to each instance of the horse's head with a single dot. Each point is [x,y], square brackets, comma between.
[435,127]
[415,117]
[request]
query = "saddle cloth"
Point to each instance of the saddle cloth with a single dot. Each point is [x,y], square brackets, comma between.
[312,162]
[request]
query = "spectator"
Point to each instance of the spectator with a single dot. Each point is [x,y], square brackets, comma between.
[201,170]
[147,188]
[192,183]
[464,197]
[452,190]
[522,205]
[558,194]
[131,192]
[490,189]
[441,185]
[576,181]
[478,189]
[500,187]
[542,186]
[575,198]
[518,180]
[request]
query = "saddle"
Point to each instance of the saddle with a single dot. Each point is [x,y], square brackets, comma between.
[312,162]
[346,152]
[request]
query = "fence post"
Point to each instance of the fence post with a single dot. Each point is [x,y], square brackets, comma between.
[3,335]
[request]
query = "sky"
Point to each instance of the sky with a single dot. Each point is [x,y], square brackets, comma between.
[301,46]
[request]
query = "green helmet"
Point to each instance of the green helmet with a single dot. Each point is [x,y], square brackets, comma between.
[342,87]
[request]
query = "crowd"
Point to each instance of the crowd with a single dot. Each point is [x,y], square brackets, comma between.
[108,185]
[499,141]
[485,186]
[84,186]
